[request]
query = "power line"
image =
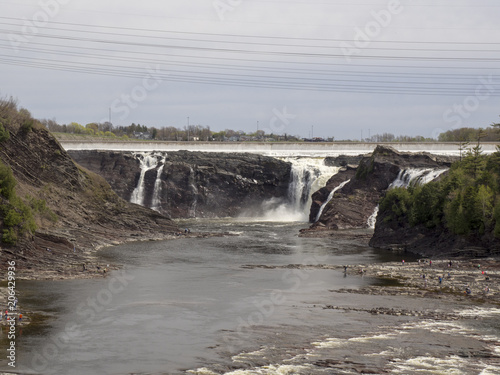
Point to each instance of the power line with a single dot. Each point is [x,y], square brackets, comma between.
[233,35]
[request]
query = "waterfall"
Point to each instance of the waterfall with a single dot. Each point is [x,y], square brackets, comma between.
[330,197]
[405,178]
[194,190]
[147,162]
[416,176]
[308,175]
[156,202]
[372,220]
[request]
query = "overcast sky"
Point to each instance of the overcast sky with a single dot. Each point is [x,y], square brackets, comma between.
[327,68]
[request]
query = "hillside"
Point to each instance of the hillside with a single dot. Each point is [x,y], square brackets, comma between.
[53,212]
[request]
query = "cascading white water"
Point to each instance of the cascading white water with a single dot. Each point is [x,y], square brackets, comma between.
[194,190]
[405,178]
[156,202]
[147,161]
[372,220]
[419,176]
[308,175]
[330,197]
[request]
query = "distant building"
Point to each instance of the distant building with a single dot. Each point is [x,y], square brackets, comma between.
[143,135]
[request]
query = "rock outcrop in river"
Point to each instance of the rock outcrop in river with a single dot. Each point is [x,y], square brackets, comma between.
[191,184]
[353,204]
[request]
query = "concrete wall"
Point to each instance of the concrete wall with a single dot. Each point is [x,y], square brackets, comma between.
[271,149]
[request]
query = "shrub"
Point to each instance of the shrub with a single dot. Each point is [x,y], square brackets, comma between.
[9,236]
[7,181]
[4,133]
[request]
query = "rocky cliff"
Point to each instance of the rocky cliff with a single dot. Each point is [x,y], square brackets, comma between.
[188,184]
[352,205]
[435,242]
[457,215]
[75,210]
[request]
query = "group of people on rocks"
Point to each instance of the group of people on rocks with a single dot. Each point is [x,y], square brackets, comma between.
[186,231]
[11,315]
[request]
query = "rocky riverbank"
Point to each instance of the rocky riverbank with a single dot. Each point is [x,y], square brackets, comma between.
[476,280]
[72,212]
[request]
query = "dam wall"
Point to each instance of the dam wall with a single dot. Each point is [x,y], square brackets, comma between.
[270,149]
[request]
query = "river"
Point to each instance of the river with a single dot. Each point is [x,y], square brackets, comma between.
[226,305]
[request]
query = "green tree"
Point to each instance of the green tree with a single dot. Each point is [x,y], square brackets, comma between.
[496,230]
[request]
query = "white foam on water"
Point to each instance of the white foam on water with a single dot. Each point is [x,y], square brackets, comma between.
[330,343]
[202,371]
[444,327]
[490,370]
[479,312]
[452,365]
[244,357]
[273,370]
[382,336]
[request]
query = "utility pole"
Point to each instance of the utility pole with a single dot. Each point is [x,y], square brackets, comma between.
[110,115]
[312,131]
[188,130]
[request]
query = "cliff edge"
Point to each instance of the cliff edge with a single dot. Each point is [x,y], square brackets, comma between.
[53,211]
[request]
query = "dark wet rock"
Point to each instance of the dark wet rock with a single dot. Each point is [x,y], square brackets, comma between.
[196,183]
[344,160]
[321,196]
[436,242]
[356,201]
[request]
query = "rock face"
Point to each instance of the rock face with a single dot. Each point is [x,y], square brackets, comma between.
[423,241]
[192,184]
[352,205]
[85,212]
[321,196]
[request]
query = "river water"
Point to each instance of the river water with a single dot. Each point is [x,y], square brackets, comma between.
[226,305]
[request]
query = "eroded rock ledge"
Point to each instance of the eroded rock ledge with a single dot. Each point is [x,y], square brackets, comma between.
[352,205]
[193,184]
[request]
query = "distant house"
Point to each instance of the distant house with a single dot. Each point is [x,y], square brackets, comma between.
[143,135]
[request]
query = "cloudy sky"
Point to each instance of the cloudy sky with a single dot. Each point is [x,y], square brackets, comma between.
[323,68]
